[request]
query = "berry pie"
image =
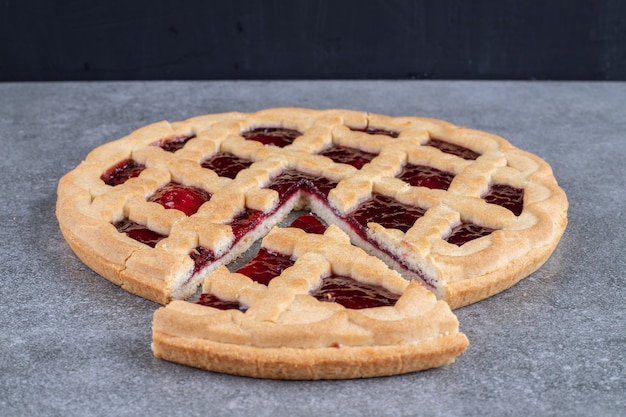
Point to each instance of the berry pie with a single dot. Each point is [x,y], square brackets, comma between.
[411,217]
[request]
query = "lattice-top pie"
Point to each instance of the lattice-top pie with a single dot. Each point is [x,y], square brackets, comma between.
[460,211]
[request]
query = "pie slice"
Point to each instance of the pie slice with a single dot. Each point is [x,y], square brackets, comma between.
[309,306]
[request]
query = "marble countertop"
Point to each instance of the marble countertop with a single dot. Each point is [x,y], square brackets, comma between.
[554,345]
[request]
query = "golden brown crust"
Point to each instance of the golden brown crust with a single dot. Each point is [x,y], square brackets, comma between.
[286,333]
[326,363]
[87,209]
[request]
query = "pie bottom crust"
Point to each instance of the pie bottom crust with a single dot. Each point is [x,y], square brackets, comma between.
[309,364]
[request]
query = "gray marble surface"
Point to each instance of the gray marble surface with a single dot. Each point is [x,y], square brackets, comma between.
[553,345]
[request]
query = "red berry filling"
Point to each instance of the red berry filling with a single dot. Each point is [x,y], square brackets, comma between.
[276,136]
[425,176]
[246,221]
[385,211]
[453,149]
[290,182]
[139,232]
[211,300]
[226,165]
[202,257]
[375,131]
[265,266]
[351,156]
[184,198]
[173,144]
[353,294]
[506,196]
[310,224]
[465,232]
[122,172]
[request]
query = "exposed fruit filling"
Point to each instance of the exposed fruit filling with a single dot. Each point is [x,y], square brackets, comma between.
[290,182]
[276,136]
[425,176]
[139,232]
[353,294]
[465,232]
[345,155]
[173,144]
[265,266]
[310,224]
[506,196]
[211,300]
[122,172]
[346,291]
[184,198]
[226,164]
[387,212]
[453,149]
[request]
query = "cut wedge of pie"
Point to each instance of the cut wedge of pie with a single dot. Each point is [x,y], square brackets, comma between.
[462,212]
[309,306]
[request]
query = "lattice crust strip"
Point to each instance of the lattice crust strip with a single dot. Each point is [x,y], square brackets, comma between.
[98,207]
[284,332]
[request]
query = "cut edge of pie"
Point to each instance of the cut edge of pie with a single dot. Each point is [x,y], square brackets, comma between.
[286,333]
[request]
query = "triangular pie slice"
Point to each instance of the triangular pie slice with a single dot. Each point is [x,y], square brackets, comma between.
[309,306]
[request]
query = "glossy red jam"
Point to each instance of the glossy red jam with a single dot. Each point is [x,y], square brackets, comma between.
[290,182]
[465,232]
[202,257]
[375,131]
[246,221]
[453,149]
[211,300]
[506,196]
[139,232]
[226,165]
[181,197]
[276,136]
[425,176]
[173,144]
[309,223]
[265,266]
[122,172]
[385,211]
[345,155]
[353,294]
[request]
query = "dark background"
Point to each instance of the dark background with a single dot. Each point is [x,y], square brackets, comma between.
[439,39]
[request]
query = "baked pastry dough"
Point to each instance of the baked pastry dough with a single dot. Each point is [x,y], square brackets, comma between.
[461,211]
[287,331]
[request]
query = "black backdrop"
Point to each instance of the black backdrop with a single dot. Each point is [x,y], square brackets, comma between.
[326,39]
